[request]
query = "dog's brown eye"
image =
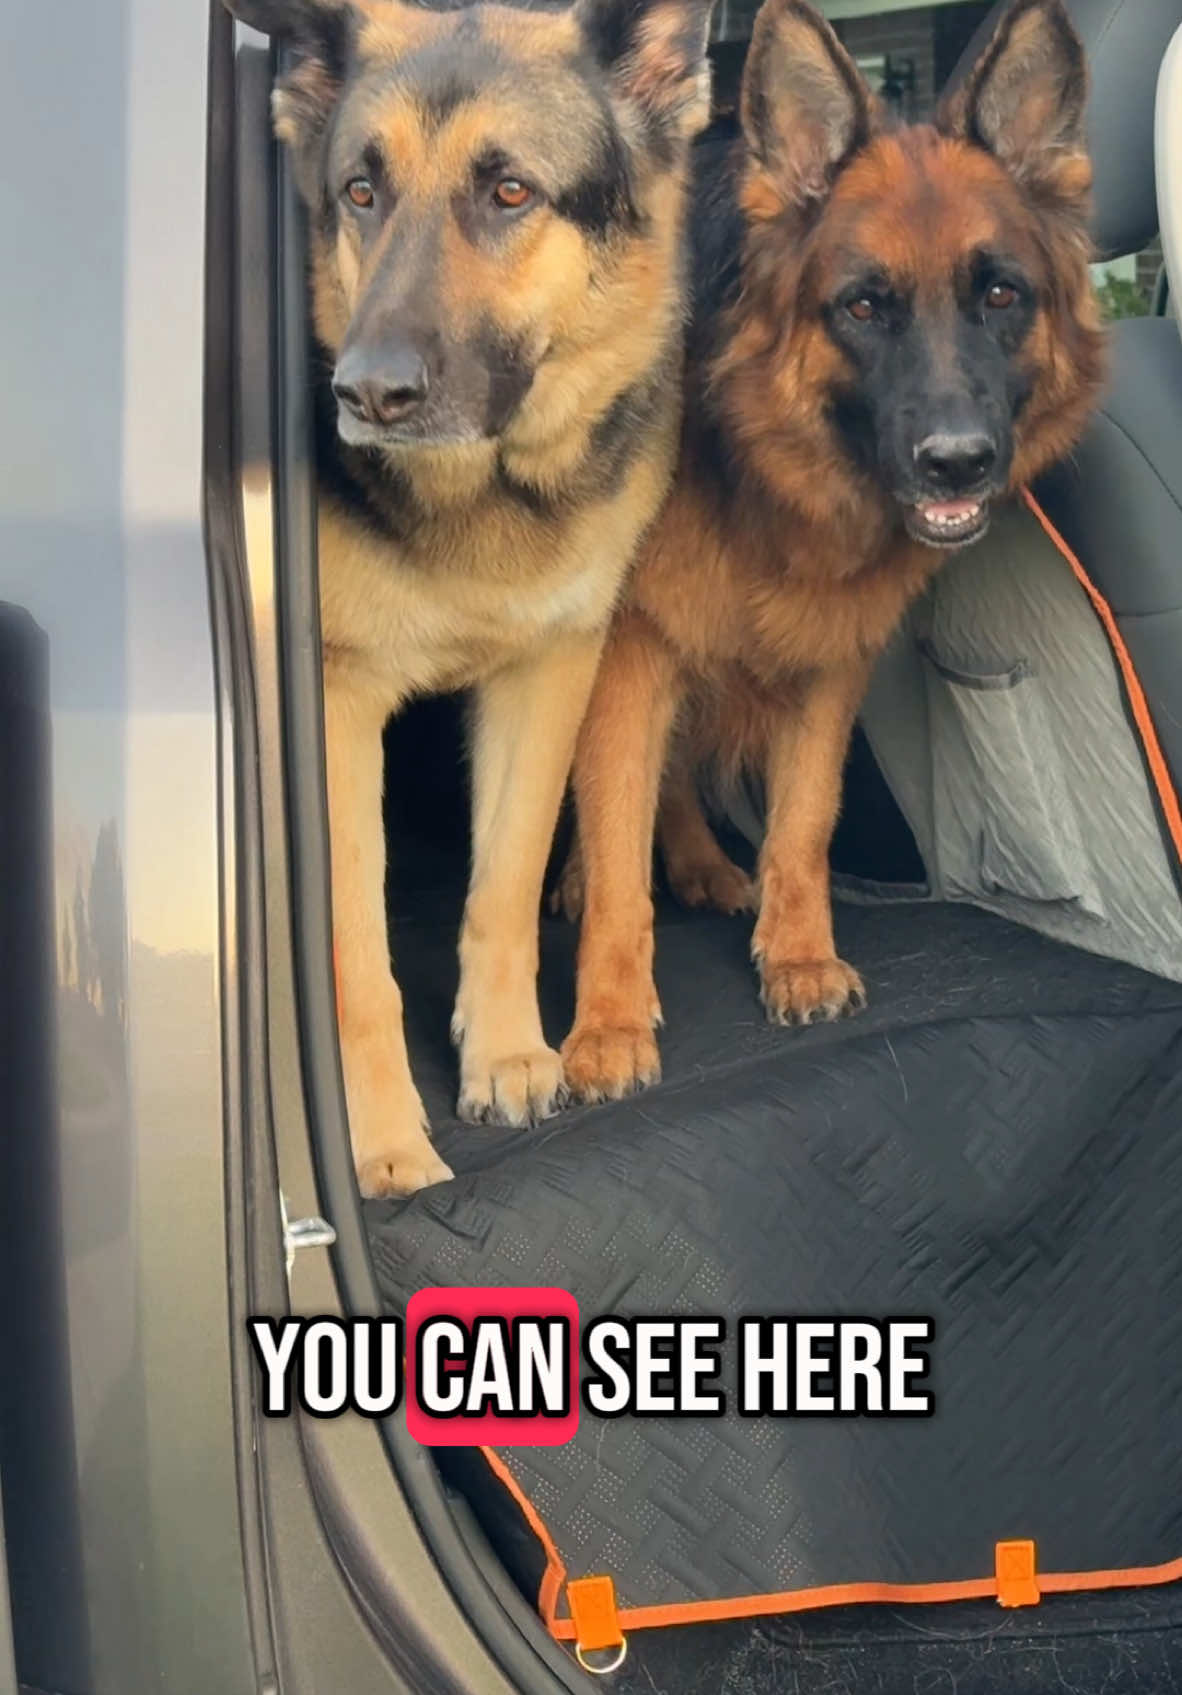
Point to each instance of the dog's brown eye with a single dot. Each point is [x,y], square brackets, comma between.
[1000,296]
[511,194]
[360,192]
[861,309]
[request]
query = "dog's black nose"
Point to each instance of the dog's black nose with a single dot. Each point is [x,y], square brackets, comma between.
[956,463]
[381,388]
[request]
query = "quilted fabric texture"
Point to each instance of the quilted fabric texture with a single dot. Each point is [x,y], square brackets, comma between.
[996,1143]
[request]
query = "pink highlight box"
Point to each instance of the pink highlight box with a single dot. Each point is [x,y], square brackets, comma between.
[490,1428]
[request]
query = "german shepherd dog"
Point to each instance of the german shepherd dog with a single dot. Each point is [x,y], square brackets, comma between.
[495,199]
[905,334]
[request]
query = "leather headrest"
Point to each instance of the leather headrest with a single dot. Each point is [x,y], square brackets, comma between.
[1125,42]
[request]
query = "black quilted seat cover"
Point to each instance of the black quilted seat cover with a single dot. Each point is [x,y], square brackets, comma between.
[996,1143]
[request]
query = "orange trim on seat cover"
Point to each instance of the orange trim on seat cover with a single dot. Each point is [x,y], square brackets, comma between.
[850,1594]
[801,1600]
[554,1575]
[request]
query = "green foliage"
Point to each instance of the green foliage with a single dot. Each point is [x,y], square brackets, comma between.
[1121,297]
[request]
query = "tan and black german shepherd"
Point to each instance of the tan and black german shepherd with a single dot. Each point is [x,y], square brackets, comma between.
[894,328]
[495,197]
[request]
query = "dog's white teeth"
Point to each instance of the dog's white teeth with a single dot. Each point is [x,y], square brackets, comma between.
[951,516]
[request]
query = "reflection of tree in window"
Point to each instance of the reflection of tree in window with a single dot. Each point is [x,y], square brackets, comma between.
[82,953]
[107,923]
[67,948]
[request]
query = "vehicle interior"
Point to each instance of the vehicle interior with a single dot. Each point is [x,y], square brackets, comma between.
[995,1143]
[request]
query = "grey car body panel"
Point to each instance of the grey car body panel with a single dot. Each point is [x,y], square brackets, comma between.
[101,544]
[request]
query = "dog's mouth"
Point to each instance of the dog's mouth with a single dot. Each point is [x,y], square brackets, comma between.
[947,523]
[411,432]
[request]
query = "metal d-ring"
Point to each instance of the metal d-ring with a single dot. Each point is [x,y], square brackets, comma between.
[612,1665]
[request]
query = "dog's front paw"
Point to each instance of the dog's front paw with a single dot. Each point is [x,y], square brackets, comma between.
[520,1089]
[401,1161]
[605,1062]
[401,1172]
[392,1149]
[808,991]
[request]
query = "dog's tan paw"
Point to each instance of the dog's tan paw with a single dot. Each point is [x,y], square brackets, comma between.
[392,1149]
[715,883]
[520,1089]
[609,1061]
[808,991]
[401,1172]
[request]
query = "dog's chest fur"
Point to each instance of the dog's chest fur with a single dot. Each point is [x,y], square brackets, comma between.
[771,595]
[473,589]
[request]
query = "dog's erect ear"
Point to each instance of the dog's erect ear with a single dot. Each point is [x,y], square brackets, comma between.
[1026,97]
[805,105]
[306,94]
[656,52]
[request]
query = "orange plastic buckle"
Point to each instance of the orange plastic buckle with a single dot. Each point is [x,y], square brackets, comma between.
[597,1622]
[1017,1580]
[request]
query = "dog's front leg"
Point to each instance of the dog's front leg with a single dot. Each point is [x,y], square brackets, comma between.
[387,1126]
[612,1049]
[526,719]
[802,978]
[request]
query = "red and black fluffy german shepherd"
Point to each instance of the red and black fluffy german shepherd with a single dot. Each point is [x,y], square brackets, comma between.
[894,328]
